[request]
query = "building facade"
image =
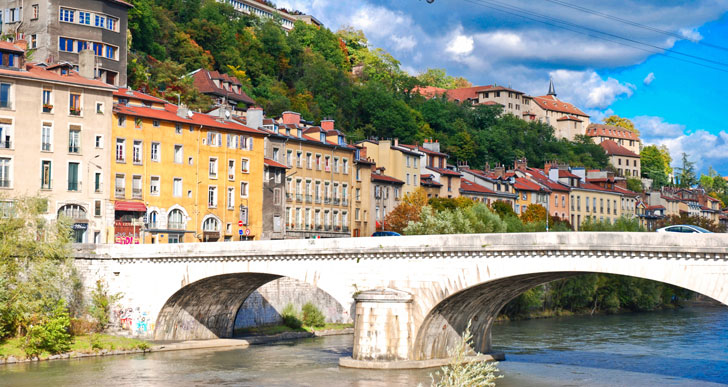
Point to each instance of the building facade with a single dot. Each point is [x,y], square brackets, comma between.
[624,161]
[399,162]
[386,194]
[625,138]
[55,135]
[59,30]
[180,176]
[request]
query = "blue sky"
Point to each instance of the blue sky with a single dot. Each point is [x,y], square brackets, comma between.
[673,103]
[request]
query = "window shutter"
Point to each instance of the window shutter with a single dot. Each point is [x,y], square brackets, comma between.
[251,143]
[244,214]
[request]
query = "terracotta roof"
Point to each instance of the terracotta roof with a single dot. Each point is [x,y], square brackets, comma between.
[612,148]
[595,187]
[130,93]
[549,102]
[650,208]
[569,118]
[7,46]
[539,175]
[424,150]
[385,178]
[524,184]
[169,113]
[625,191]
[565,173]
[428,180]
[469,186]
[272,163]
[203,82]
[33,71]
[601,130]
[444,171]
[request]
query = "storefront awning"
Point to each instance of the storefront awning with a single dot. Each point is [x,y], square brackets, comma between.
[130,206]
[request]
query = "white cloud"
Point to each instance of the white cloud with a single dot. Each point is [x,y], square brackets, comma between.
[649,78]
[589,90]
[656,129]
[461,45]
[691,34]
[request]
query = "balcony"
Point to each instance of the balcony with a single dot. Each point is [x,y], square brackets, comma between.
[120,192]
[289,197]
[337,201]
[176,225]
[309,199]
[345,202]
[345,229]
[327,200]
[318,200]
[299,197]
[74,149]
[136,193]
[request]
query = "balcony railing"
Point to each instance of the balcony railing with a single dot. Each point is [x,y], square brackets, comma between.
[327,200]
[136,193]
[345,229]
[337,201]
[289,196]
[299,197]
[74,185]
[176,225]
[46,184]
[309,199]
[74,112]
[318,200]
[120,192]
[5,183]
[7,144]
[73,149]
[344,202]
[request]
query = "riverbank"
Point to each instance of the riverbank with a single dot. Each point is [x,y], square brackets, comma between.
[11,351]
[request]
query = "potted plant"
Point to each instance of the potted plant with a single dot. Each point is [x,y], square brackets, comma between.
[47,108]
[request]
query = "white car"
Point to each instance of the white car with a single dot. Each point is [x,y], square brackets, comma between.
[684,228]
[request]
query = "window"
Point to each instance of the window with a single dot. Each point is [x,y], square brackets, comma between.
[119,185]
[155,152]
[155,123]
[99,107]
[121,121]
[231,198]
[213,138]
[136,152]
[120,150]
[289,157]
[243,189]
[212,197]
[84,17]
[175,220]
[67,15]
[73,177]
[211,224]
[111,24]
[177,129]
[309,160]
[97,182]
[74,141]
[35,12]
[346,166]
[97,207]
[358,194]
[5,95]
[231,169]
[154,185]
[177,187]
[244,167]
[178,154]
[65,44]
[5,176]
[213,168]
[136,187]
[99,21]
[99,141]
[46,137]
[74,104]
[45,174]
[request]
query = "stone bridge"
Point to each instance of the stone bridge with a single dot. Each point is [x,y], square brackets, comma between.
[410,297]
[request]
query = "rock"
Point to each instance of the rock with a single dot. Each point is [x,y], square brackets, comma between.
[11,360]
[54,357]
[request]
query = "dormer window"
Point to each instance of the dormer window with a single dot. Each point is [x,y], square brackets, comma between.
[323,136]
[341,140]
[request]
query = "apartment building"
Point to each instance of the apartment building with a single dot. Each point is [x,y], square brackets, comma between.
[625,138]
[624,161]
[513,101]
[497,181]
[588,201]
[399,162]
[529,192]
[181,176]
[386,194]
[58,31]
[267,10]
[319,181]
[55,130]
[226,91]
[567,120]
[434,164]
[558,203]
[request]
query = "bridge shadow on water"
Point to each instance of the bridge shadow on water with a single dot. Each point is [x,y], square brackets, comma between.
[707,370]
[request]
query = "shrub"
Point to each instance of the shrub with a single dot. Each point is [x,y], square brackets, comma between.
[101,302]
[290,317]
[82,326]
[460,372]
[51,335]
[312,316]
[95,341]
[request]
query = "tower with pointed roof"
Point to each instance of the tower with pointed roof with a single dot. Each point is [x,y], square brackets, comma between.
[552,90]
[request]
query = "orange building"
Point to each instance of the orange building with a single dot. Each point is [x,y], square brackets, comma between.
[181,176]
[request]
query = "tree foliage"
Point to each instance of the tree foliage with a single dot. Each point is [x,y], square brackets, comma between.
[407,211]
[684,218]
[687,178]
[623,123]
[655,162]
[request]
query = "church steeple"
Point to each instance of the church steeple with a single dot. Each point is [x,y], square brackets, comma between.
[552,90]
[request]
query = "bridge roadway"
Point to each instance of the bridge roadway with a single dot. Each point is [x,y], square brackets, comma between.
[411,296]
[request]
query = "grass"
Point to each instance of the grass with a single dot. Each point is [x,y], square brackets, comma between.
[276,329]
[83,344]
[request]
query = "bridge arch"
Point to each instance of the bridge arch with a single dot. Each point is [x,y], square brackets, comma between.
[207,308]
[480,303]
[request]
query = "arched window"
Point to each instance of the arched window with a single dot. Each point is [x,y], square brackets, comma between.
[211,224]
[152,220]
[176,220]
[73,211]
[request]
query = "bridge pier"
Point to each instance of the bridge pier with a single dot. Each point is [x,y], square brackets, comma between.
[383,325]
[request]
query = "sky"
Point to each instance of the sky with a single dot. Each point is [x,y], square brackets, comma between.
[672,101]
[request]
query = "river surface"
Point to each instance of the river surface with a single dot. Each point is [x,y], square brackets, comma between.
[687,347]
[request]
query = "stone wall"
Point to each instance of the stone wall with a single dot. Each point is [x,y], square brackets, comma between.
[264,306]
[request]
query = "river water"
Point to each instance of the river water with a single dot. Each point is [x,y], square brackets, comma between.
[687,347]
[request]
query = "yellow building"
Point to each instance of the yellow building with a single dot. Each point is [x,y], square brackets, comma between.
[529,192]
[399,162]
[180,176]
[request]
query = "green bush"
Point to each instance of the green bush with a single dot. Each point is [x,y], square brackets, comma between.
[50,335]
[101,302]
[312,316]
[290,317]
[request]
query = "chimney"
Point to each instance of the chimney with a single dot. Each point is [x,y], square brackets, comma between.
[432,146]
[521,163]
[87,63]
[486,169]
[396,141]
[579,171]
[553,174]
[183,111]
[254,117]
[291,118]
[499,171]
[363,153]
[327,125]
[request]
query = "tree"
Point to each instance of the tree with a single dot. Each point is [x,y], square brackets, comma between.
[655,165]
[534,213]
[634,184]
[687,177]
[407,211]
[684,218]
[439,78]
[624,123]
